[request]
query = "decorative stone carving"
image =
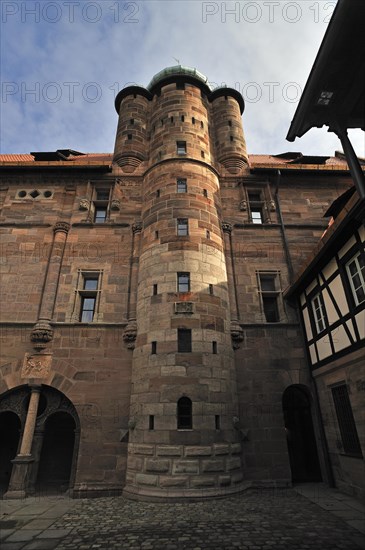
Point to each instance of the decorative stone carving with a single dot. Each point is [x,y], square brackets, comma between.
[236,334]
[41,334]
[84,204]
[137,227]
[243,205]
[62,226]
[184,307]
[272,205]
[36,366]
[130,334]
[227,227]
[115,204]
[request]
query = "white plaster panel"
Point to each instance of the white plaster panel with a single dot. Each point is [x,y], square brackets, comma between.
[311,286]
[302,299]
[339,295]
[350,326]
[340,338]
[347,246]
[324,347]
[360,319]
[330,268]
[313,356]
[332,314]
[307,324]
[361,231]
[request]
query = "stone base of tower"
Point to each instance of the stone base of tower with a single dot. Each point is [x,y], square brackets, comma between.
[184,471]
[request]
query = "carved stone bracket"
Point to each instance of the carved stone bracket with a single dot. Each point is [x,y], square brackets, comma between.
[36,365]
[61,226]
[243,205]
[84,204]
[130,334]
[115,204]
[137,227]
[227,227]
[41,334]
[236,334]
[272,205]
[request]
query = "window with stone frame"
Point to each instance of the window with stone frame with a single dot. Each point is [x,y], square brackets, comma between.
[101,199]
[181,185]
[182,227]
[349,437]
[87,296]
[184,414]
[183,281]
[258,203]
[270,292]
[184,340]
[181,147]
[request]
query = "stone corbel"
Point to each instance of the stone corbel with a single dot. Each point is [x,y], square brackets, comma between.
[130,334]
[84,204]
[243,206]
[115,204]
[41,334]
[236,334]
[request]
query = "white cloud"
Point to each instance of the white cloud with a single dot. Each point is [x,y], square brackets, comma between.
[132,41]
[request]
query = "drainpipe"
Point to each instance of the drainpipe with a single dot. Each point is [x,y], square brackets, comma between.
[282,228]
[352,160]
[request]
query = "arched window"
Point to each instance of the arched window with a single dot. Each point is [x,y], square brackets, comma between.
[184,414]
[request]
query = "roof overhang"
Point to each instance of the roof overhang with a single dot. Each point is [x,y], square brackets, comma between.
[335,91]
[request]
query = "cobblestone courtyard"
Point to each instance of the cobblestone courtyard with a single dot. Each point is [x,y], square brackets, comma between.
[257,519]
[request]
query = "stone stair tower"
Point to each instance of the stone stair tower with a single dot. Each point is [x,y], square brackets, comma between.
[183,438]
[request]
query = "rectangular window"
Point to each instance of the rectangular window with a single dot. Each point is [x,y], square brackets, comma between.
[256,206]
[181,185]
[183,340]
[155,290]
[211,290]
[318,313]
[88,296]
[214,348]
[182,227]
[217,422]
[101,204]
[269,296]
[181,147]
[356,274]
[153,348]
[183,282]
[346,421]
[100,214]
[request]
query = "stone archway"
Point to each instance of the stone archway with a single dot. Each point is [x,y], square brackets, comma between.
[10,426]
[302,447]
[51,464]
[56,456]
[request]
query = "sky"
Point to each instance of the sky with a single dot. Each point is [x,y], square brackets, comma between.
[63,62]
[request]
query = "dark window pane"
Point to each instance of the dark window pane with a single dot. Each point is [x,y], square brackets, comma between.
[270,309]
[100,214]
[184,414]
[90,284]
[184,340]
[102,194]
[267,282]
[346,421]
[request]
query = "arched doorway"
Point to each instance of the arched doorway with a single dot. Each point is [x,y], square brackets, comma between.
[301,441]
[56,457]
[10,426]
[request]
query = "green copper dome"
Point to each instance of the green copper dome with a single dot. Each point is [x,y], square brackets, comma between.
[177,70]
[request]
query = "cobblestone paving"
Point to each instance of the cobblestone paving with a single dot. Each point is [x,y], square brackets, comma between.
[254,520]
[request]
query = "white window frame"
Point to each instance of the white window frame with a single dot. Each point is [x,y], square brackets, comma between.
[360,274]
[319,313]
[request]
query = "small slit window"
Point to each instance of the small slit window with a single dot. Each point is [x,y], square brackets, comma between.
[184,414]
